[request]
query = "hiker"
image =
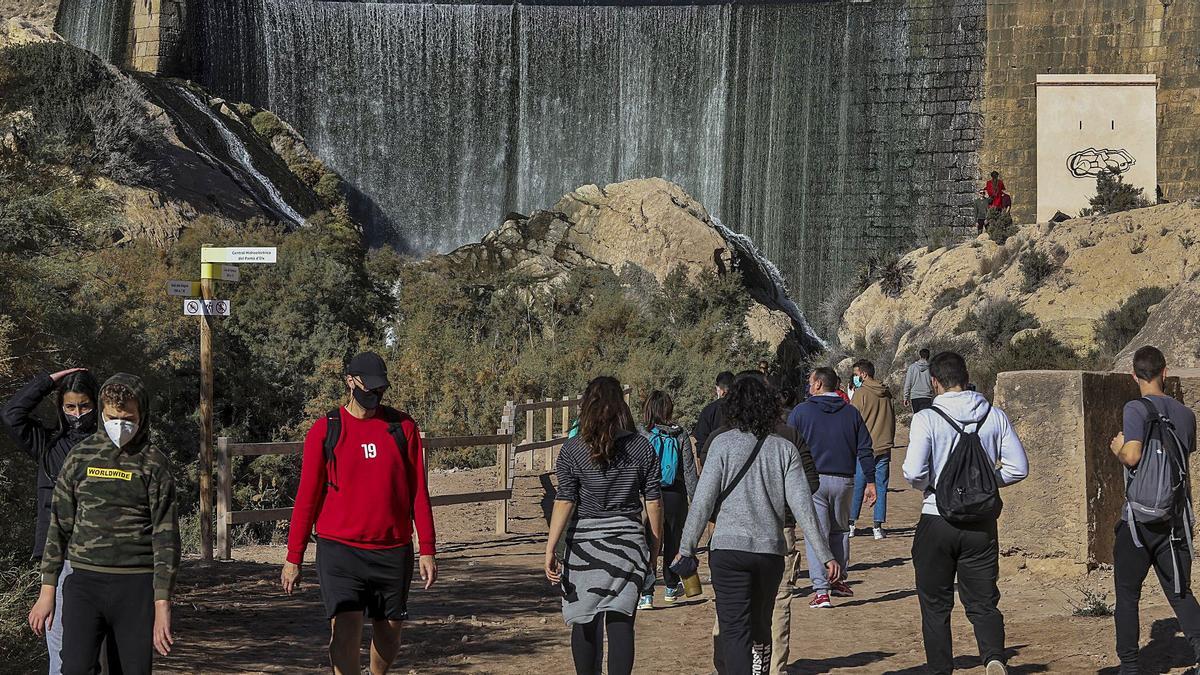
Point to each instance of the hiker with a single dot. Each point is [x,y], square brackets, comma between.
[781,616]
[1158,533]
[981,211]
[952,444]
[673,447]
[998,197]
[752,477]
[713,415]
[874,402]
[838,438]
[606,563]
[363,484]
[918,388]
[75,392]
[113,518]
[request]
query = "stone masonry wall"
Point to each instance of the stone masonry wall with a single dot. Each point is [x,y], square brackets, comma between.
[1030,37]
[156,35]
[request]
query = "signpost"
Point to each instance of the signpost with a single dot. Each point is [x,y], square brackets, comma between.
[212,268]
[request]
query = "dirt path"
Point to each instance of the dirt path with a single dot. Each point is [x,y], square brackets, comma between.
[493,612]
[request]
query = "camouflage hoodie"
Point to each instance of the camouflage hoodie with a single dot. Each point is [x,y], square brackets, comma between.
[114,508]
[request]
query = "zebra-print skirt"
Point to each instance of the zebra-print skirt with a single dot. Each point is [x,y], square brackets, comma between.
[606,566]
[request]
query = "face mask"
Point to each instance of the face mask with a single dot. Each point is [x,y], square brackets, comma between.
[857,381]
[369,400]
[84,422]
[120,431]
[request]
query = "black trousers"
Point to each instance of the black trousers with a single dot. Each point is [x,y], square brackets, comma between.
[1130,567]
[919,404]
[96,605]
[675,510]
[587,644]
[941,552]
[745,584]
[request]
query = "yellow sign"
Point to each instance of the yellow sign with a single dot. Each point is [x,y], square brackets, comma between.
[97,472]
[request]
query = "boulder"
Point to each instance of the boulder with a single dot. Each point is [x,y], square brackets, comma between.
[1173,327]
[20,30]
[650,224]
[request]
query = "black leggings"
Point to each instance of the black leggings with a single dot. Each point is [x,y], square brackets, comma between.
[587,644]
[675,511]
[746,585]
[119,606]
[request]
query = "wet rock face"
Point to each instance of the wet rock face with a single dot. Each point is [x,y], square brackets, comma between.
[652,224]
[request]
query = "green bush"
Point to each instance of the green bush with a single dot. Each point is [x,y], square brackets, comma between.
[267,124]
[1036,267]
[1033,351]
[892,273]
[1119,326]
[997,321]
[951,295]
[1114,195]
[1000,226]
[329,188]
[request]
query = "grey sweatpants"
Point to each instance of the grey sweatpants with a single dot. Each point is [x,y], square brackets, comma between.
[54,635]
[832,504]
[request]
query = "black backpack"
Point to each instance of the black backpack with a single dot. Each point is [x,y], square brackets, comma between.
[967,490]
[333,437]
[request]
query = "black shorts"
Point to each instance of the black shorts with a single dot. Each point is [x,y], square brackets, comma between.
[364,580]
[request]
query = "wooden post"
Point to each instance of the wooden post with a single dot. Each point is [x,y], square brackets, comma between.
[224,499]
[549,435]
[206,423]
[566,418]
[529,435]
[502,450]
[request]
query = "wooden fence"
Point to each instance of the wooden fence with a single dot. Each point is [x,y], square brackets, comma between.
[505,441]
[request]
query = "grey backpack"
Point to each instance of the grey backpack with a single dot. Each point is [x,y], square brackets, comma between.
[1157,490]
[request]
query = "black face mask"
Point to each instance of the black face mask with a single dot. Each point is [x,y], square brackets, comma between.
[85,423]
[369,400]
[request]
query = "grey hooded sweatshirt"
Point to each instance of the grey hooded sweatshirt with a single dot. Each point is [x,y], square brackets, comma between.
[917,382]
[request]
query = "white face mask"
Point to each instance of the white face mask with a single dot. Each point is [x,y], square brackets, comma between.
[120,431]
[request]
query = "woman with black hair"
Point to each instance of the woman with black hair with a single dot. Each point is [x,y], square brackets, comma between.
[75,392]
[673,446]
[751,476]
[604,474]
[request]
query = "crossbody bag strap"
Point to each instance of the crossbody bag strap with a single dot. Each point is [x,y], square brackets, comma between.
[738,478]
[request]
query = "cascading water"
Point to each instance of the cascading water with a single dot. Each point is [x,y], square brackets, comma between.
[99,26]
[823,130]
[237,150]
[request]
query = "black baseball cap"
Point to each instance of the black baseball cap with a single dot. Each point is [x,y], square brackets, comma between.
[369,367]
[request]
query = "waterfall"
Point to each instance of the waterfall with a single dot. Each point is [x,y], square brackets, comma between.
[258,184]
[825,131]
[99,26]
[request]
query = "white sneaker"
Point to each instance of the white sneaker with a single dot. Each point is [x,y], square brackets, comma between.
[996,668]
[878,532]
[852,528]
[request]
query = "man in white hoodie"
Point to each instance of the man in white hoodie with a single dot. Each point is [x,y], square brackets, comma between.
[941,550]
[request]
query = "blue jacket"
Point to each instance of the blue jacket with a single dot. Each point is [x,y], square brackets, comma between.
[836,434]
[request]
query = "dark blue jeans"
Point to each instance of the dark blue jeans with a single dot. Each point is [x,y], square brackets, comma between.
[883,465]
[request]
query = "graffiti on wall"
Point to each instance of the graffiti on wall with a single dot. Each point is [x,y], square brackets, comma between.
[1090,162]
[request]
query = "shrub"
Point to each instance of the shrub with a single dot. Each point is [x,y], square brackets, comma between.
[1114,195]
[1034,351]
[833,307]
[1000,226]
[997,321]
[998,260]
[1036,267]
[267,124]
[953,294]
[1094,604]
[20,650]
[939,237]
[329,188]
[1119,326]
[892,273]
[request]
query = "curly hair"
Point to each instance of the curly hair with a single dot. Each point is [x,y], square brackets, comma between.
[117,395]
[603,415]
[752,405]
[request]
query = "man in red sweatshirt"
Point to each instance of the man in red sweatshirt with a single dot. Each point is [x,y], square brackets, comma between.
[364,499]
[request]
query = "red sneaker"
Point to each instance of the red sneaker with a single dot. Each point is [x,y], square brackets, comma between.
[841,590]
[820,601]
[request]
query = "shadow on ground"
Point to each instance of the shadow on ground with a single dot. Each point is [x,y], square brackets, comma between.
[233,617]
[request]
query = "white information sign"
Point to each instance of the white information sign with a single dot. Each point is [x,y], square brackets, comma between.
[231,273]
[206,307]
[185,289]
[245,254]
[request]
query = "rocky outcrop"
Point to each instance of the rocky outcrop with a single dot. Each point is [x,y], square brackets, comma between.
[19,30]
[1173,327]
[651,224]
[1094,265]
